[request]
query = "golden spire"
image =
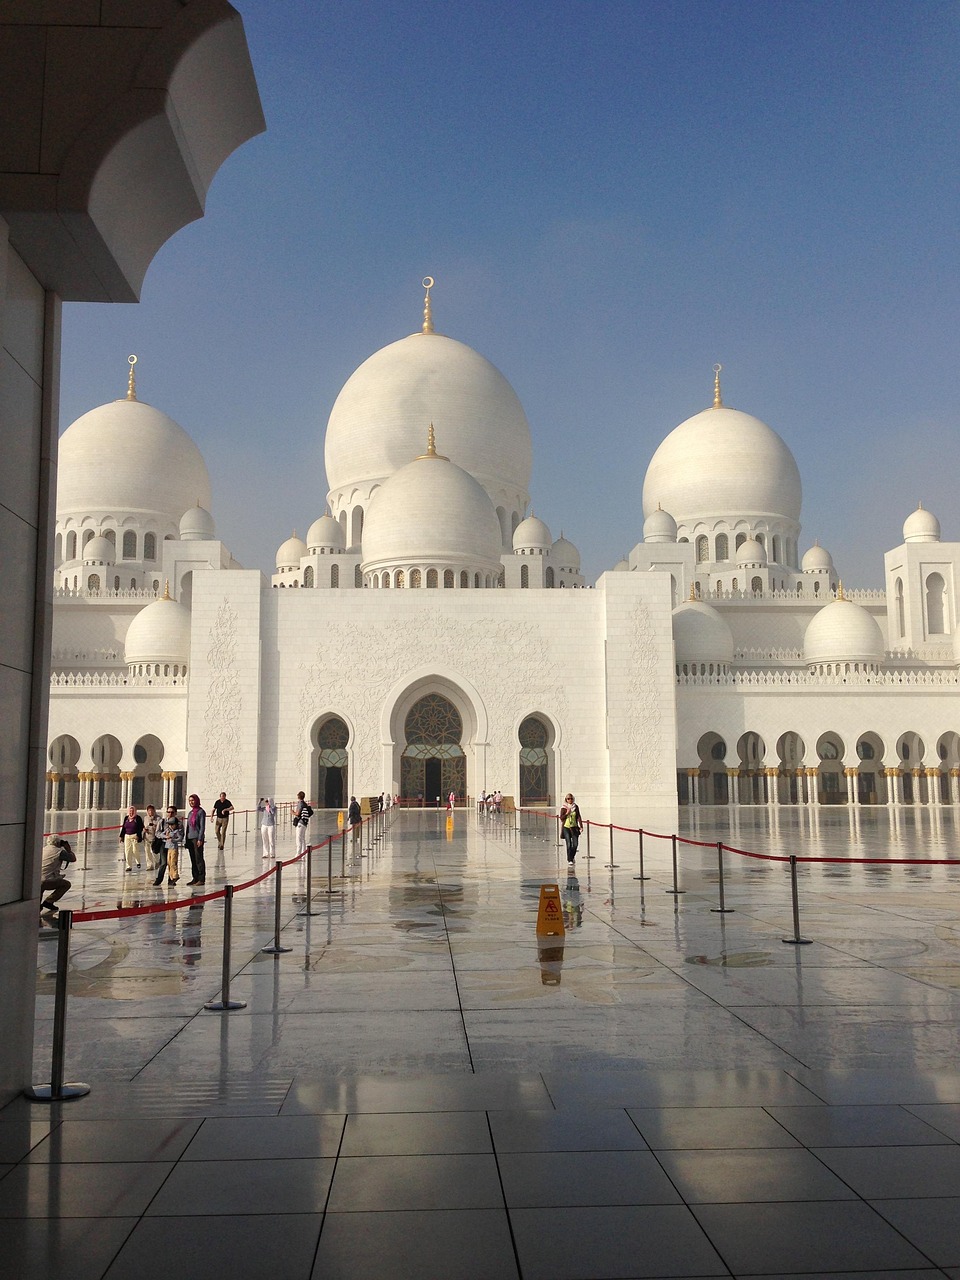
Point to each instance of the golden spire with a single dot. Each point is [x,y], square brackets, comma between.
[432,446]
[131,380]
[693,592]
[166,590]
[717,399]
[427,283]
[840,595]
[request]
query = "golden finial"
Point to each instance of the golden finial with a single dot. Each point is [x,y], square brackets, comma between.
[427,283]
[693,592]
[840,595]
[166,590]
[432,446]
[717,399]
[131,380]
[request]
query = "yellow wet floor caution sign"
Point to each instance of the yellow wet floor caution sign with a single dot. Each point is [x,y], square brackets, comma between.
[550,913]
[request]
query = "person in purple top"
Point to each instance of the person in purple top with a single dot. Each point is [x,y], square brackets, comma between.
[195,831]
[131,837]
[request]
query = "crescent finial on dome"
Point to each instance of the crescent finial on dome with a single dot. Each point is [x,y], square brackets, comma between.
[131,379]
[717,398]
[427,283]
[166,590]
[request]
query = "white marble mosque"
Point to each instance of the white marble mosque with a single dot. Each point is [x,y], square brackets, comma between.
[413,641]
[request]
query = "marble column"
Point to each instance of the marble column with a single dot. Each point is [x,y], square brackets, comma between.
[917,775]
[955,786]
[693,786]
[852,775]
[773,786]
[733,786]
[813,796]
[933,786]
[126,781]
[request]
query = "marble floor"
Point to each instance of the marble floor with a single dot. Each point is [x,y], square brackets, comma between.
[416,1088]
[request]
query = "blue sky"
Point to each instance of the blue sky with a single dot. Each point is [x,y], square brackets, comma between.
[611,197]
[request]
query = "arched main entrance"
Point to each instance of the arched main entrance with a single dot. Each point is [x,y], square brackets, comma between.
[433,763]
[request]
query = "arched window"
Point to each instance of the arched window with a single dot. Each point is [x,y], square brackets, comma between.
[308,576]
[476,580]
[357,527]
[133,584]
[464,578]
[448,577]
[111,536]
[433,579]
[415,577]
[524,576]
[385,581]
[761,539]
[936,600]
[719,588]
[93,582]
[776,549]
[723,547]
[534,762]
[357,576]
[58,548]
[550,580]
[71,546]
[334,575]
[87,535]
[116,583]
[740,540]
[156,584]
[735,585]
[703,548]
[816,588]
[129,545]
[756,586]
[901,617]
[149,546]
[398,578]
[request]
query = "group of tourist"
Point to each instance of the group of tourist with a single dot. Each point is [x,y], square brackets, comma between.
[491,802]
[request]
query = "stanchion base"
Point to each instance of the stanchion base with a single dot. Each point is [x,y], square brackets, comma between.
[222,1006]
[722,911]
[331,892]
[641,877]
[275,951]
[589,855]
[675,892]
[612,866]
[44,1092]
[797,942]
[307,912]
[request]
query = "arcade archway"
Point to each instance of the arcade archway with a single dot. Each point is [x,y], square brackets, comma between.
[432,762]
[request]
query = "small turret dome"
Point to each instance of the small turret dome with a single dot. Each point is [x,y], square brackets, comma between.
[921,526]
[843,631]
[532,535]
[290,553]
[751,554]
[700,635]
[817,559]
[99,551]
[159,633]
[196,525]
[326,534]
[565,555]
[659,526]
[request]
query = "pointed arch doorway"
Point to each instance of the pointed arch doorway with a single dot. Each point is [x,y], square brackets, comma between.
[432,762]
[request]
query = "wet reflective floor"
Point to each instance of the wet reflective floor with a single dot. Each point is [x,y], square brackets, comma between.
[418,1087]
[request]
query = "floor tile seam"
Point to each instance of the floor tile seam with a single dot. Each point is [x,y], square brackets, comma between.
[503,1196]
[453,967]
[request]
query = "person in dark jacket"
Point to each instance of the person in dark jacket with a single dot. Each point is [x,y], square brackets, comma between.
[131,837]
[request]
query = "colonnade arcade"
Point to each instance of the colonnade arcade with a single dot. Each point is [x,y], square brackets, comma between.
[833,770]
[100,778]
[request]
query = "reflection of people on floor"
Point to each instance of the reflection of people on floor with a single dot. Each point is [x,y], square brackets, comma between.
[571,900]
[190,934]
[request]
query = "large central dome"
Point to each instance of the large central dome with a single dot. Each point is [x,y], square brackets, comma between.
[380,417]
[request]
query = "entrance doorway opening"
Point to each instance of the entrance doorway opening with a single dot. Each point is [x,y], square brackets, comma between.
[331,742]
[433,762]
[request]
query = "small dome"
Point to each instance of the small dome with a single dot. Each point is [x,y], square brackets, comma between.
[432,512]
[723,464]
[196,525]
[659,526]
[159,633]
[752,554]
[701,635]
[622,566]
[817,559]
[565,555]
[290,553]
[326,534]
[921,526]
[843,631]
[99,551]
[532,535]
[127,457]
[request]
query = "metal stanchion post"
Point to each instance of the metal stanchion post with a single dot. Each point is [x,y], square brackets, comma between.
[343,853]
[641,876]
[308,906]
[330,888]
[588,853]
[225,1004]
[276,949]
[796,940]
[611,864]
[56,1090]
[722,909]
[674,890]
